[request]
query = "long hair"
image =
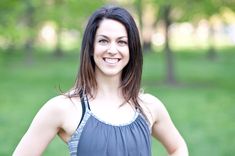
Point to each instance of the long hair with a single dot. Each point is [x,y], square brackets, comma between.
[131,74]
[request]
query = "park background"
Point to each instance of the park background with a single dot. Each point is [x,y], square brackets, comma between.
[189,60]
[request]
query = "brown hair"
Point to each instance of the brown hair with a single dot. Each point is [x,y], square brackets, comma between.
[131,74]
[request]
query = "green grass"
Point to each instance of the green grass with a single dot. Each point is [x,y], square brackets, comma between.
[201,104]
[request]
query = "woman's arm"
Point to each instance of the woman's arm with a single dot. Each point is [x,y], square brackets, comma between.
[42,130]
[164,130]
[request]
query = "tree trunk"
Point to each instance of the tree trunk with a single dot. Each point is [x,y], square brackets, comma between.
[29,50]
[30,40]
[58,50]
[211,54]
[147,46]
[139,9]
[170,73]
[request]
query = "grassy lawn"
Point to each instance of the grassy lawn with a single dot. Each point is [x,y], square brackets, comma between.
[201,104]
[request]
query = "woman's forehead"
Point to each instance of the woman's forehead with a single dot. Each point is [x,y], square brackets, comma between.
[112,28]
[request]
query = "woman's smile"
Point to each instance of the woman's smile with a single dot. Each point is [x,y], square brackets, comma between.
[112,61]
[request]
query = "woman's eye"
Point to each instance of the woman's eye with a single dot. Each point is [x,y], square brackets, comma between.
[102,41]
[122,43]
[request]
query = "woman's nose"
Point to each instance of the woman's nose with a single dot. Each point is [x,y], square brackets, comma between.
[112,49]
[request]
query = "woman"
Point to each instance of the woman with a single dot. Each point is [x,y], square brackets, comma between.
[105,114]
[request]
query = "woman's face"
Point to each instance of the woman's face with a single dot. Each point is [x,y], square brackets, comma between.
[111,51]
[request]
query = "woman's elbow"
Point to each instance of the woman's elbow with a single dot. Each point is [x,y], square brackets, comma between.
[181,150]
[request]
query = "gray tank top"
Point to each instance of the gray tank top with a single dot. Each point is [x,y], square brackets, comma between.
[94,137]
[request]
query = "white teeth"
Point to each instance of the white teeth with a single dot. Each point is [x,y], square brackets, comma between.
[111,60]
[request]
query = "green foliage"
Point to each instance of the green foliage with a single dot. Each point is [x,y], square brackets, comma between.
[22,20]
[188,10]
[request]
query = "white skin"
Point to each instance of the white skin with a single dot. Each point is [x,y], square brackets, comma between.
[60,116]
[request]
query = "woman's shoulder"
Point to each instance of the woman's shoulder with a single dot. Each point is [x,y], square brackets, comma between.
[58,102]
[151,105]
[150,100]
[64,112]
[61,103]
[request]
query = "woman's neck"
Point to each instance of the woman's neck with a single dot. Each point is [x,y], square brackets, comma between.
[108,85]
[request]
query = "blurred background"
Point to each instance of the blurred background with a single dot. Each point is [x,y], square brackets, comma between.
[189,60]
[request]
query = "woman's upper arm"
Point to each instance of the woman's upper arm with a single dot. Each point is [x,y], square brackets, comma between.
[42,130]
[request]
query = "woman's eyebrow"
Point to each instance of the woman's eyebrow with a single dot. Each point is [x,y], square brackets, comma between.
[108,37]
[122,37]
[102,36]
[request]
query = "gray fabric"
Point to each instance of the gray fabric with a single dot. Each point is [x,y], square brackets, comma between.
[94,137]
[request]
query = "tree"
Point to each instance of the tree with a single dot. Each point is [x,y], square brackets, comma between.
[207,9]
[9,20]
[184,10]
[68,14]
[165,14]
[21,21]
[30,23]
[139,8]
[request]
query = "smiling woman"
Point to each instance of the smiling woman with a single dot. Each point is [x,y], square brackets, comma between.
[105,113]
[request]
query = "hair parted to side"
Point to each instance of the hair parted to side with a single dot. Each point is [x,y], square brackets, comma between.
[131,74]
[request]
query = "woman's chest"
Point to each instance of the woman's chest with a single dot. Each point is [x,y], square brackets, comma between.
[99,138]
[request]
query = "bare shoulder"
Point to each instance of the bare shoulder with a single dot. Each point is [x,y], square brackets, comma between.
[55,117]
[56,105]
[64,112]
[51,107]
[60,103]
[60,108]
[151,101]
[151,105]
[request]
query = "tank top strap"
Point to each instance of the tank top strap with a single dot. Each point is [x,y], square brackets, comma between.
[141,113]
[84,103]
[84,100]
